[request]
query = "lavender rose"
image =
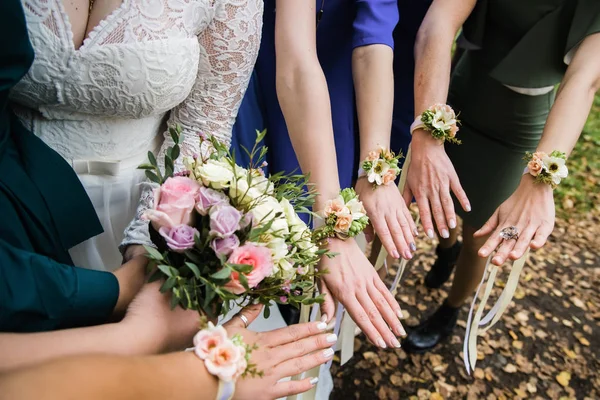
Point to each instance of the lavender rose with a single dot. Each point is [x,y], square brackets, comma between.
[225,246]
[179,238]
[208,198]
[224,220]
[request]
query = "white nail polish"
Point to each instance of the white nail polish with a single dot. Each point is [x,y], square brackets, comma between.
[468,208]
[396,343]
[399,314]
[452,224]
[430,233]
[445,233]
[328,353]
[322,326]
[332,338]
[324,318]
[381,343]
[314,381]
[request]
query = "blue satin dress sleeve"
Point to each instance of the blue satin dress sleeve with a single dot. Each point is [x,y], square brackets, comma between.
[374,22]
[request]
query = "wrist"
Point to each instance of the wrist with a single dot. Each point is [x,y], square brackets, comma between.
[131,277]
[141,337]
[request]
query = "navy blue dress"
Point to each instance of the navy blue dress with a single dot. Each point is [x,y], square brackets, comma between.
[344,26]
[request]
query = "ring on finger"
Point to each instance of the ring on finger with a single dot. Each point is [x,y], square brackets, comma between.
[244,320]
[510,233]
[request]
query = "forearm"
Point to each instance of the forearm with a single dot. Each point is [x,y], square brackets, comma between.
[374,85]
[177,375]
[26,349]
[304,99]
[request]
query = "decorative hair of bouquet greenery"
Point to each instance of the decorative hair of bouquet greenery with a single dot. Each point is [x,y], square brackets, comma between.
[224,357]
[344,217]
[548,169]
[381,167]
[227,234]
[441,121]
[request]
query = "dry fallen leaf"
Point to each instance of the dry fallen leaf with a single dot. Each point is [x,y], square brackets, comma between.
[563,378]
[510,368]
[584,341]
[517,344]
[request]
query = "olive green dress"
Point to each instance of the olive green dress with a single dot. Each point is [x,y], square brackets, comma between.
[44,211]
[521,44]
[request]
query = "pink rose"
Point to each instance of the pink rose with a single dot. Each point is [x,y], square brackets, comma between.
[208,339]
[225,361]
[453,131]
[225,246]
[373,155]
[535,166]
[256,256]
[179,238]
[389,176]
[335,206]
[224,220]
[343,223]
[174,202]
[208,198]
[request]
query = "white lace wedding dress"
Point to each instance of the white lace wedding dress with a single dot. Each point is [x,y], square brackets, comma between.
[105,105]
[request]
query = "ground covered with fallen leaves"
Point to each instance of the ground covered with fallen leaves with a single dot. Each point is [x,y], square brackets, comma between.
[546,346]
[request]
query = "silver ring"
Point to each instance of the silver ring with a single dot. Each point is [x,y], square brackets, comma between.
[509,233]
[244,320]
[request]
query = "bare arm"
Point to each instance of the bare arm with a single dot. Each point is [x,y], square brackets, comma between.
[304,97]
[178,375]
[431,175]
[531,207]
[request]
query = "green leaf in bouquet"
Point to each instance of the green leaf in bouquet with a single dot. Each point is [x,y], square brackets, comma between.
[244,281]
[174,271]
[209,295]
[156,275]
[146,166]
[152,159]
[194,268]
[153,177]
[222,274]
[241,268]
[267,311]
[175,133]
[168,284]
[260,135]
[174,299]
[153,254]
[168,170]
[165,270]
[193,256]
[175,152]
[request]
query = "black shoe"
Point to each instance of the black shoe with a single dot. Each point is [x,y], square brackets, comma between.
[444,265]
[432,331]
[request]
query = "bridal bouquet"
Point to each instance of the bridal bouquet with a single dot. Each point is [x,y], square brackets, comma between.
[230,235]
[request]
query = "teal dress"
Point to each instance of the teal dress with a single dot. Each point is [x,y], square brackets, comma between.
[45,211]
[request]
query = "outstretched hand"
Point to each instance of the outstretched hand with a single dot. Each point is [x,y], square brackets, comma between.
[352,280]
[389,217]
[531,210]
[279,354]
[430,179]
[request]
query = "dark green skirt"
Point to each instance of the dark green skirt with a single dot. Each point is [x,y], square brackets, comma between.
[497,127]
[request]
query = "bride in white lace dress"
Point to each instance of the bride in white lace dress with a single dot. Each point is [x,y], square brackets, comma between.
[108,77]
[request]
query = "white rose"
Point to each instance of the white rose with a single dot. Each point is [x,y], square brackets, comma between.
[287,269]
[242,192]
[215,174]
[266,209]
[356,208]
[189,163]
[262,184]
[279,249]
[294,221]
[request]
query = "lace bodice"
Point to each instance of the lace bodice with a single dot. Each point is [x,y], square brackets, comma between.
[108,100]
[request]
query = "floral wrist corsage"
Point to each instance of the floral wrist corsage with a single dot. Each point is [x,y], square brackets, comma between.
[549,169]
[343,217]
[440,120]
[227,359]
[380,167]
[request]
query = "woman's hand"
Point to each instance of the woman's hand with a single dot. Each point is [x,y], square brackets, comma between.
[352,280]
[389,216]
[280,354]
[131,277]
[531,210]
[156,327]
[431,177]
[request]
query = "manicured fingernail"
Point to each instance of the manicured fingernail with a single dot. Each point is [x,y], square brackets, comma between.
[332,338]
[445,233]
[407,255]
[402,331]
[381,343]
[314,381]
[413,246]
[430,233]
[396,343]
[452,224]
[399,314]
[483,253]
[395,254]
[468,208]
[328,353]
[324,318]
[322,326]
[416,232]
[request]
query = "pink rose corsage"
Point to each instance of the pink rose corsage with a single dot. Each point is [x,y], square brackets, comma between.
[440,120]
[226,358]
[343,217]
[380,167]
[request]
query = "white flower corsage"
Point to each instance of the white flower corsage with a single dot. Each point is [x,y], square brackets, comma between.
[440,120]
[343,217]
[227,359]
[549,169]
[380,167]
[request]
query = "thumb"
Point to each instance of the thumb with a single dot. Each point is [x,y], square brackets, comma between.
[251,312]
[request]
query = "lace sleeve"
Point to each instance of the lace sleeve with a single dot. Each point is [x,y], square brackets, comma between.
[228,50]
